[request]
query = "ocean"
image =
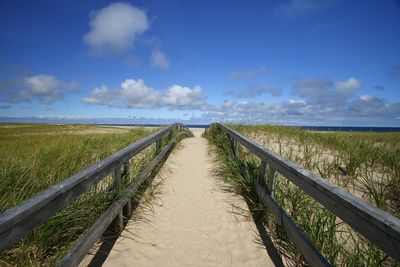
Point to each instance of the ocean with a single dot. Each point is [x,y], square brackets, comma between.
[313,128]
[128,122]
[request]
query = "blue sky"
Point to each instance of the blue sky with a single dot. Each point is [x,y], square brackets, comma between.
[299,62]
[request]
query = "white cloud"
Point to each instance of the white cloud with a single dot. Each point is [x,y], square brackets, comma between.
[45,88]
[136,94]
[183,97]
[101,95]
[42,84]
[296,101]
[370,111]
[373,107]
[321,100]
[324,91]
[227,104]
[115,28]
[348,86]
[159,60]
[366,97]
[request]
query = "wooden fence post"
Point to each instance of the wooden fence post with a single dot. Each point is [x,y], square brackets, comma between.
[118,221]
[263,169]
[271,178]
[158,146]
[170,135]
[269,183]
[234,145]
[270,191]
[127,211]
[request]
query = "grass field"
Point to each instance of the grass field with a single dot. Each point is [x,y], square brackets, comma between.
[365,164]
[34,157]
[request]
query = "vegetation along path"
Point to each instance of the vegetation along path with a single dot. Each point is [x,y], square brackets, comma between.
[192,221]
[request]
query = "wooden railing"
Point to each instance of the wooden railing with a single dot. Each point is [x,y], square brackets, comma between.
[20,220]
[376,225]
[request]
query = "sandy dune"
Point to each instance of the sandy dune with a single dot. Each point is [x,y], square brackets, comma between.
[192,223]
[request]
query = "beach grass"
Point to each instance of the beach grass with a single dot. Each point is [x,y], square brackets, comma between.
[365,164]
[33,157]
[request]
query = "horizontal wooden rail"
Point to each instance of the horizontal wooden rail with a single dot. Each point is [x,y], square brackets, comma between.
[87,241]
[304,245]
[378,226]
[18,221]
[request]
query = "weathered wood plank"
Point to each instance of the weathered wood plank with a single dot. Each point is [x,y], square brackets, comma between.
[304,245]
[158,146]
[18,221]
[378,226]
[125,172]
[127,210]
[118,222]
[271,180]
[86,242]
[263,169]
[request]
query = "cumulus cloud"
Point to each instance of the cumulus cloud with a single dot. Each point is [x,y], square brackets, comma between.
[158,59]
[324,97]
[115,28]
[363,110]
[136,94]
[41,85]
[249,74]
[183,97]
[348,86]
[319,100]
[100,96]
[298,8]
[370,106]
[297,101]
[324,91]
[366,97]
[45,88]
[314,101]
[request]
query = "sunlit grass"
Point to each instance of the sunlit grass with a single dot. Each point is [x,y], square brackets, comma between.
[35,157]
[365,164]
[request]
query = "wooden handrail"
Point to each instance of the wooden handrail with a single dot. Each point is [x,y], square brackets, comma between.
[86,242]
[20,220]
[378,226]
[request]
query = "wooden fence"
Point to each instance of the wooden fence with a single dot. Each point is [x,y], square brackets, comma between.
[20,220]
[376,225]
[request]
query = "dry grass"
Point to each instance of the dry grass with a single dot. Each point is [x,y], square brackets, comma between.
[366,164]
[34,157]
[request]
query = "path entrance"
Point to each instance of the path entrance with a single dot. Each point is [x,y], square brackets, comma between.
[192,223]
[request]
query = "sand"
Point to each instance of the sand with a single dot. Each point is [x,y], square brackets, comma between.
[192,223]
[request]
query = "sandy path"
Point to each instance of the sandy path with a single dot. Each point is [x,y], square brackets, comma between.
[192,223]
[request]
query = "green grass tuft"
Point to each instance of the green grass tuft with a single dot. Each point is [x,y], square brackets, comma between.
[366,164]
[36,157]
